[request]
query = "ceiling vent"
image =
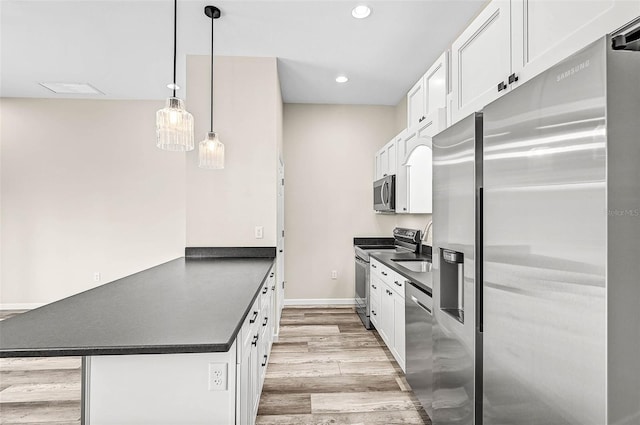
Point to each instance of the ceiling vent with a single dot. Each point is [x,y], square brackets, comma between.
[71,88]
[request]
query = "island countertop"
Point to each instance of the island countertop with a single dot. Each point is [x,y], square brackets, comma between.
[188,305]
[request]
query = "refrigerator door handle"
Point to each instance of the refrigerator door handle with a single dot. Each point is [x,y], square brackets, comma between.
[480,263]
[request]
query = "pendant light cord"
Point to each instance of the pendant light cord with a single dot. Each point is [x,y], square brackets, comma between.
[175,38]
[212,19]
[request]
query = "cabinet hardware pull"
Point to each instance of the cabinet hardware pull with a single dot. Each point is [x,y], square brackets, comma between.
[271,275]
[384,273]
[281,250]
[374,266]
[502,86]
[273,288]
[255,340]
[374,312]
[266,319]
[390,293]
[265,289]
[264,363]
[397,283]
[255,316]
[374,286]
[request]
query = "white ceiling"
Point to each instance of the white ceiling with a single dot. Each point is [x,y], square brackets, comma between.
[124,48]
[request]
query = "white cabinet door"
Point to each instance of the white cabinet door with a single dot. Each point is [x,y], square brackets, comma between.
[481,59]
[435,83]
[375,288]
[416,103]
[383,156]
[386,328]
[545,32]
[402,195]
[420,180]
[254,364]
[399,343]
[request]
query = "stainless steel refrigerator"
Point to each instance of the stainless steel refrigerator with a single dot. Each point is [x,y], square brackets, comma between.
[457,341]
[548,274]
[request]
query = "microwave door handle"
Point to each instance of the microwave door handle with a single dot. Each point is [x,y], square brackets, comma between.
[382,194]
[388,192]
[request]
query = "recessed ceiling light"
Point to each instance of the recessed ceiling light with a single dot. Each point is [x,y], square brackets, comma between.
[361,12]
[341,79]
[71,88]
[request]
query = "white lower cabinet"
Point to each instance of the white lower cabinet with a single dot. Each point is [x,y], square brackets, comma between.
[388,303]
[256,335]
[179,388]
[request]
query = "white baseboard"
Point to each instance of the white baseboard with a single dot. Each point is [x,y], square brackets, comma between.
[319,301]
[20,306]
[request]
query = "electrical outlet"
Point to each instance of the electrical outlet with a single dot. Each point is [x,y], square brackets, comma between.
[217,376]
[96,276]
[334,274]
[259,232]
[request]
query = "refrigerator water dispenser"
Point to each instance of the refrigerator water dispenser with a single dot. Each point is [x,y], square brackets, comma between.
[452,283]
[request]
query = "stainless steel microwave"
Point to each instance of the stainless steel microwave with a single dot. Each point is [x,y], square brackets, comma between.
[384,194]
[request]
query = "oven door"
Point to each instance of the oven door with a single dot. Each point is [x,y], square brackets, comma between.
[362,291]
[384,194]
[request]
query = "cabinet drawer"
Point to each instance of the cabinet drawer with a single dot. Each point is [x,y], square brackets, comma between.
[397,282]
[375,285]
[385,273]
[376,267]
[249,328]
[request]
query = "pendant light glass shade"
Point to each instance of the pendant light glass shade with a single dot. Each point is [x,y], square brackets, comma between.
[211,149]
[174,127]
[211,152]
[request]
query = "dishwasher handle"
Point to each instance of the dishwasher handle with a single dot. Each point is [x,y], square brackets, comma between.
[422,306]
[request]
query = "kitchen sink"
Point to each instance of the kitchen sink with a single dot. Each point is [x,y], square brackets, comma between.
[415,265]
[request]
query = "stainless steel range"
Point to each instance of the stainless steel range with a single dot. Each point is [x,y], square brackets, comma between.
[404,240]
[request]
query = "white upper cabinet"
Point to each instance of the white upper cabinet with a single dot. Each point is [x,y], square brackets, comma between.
[481,60]
[413,178]
[511,42]
[545,32]
[386,159]
[428,94]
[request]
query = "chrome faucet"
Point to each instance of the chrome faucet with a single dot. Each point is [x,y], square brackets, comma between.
[425,234]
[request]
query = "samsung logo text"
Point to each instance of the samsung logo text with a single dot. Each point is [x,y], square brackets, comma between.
[573,70]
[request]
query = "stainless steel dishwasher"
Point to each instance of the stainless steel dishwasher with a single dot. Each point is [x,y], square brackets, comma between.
[418,316]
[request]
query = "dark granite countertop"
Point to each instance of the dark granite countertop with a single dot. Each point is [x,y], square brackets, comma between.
[422,280]
[187,305]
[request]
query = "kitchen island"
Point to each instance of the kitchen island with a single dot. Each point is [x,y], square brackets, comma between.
[183,342]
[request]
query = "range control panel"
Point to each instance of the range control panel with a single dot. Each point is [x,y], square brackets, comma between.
[407,235]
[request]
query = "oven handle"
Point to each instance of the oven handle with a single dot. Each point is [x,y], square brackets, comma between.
[419,304]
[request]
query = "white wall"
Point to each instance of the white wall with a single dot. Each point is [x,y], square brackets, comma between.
[224,206]
[328,152]
[84,190]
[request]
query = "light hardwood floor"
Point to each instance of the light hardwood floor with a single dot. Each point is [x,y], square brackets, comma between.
[325,369]
[328,369]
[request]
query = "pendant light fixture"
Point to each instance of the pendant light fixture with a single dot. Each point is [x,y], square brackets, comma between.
[211,150]
[174,124]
